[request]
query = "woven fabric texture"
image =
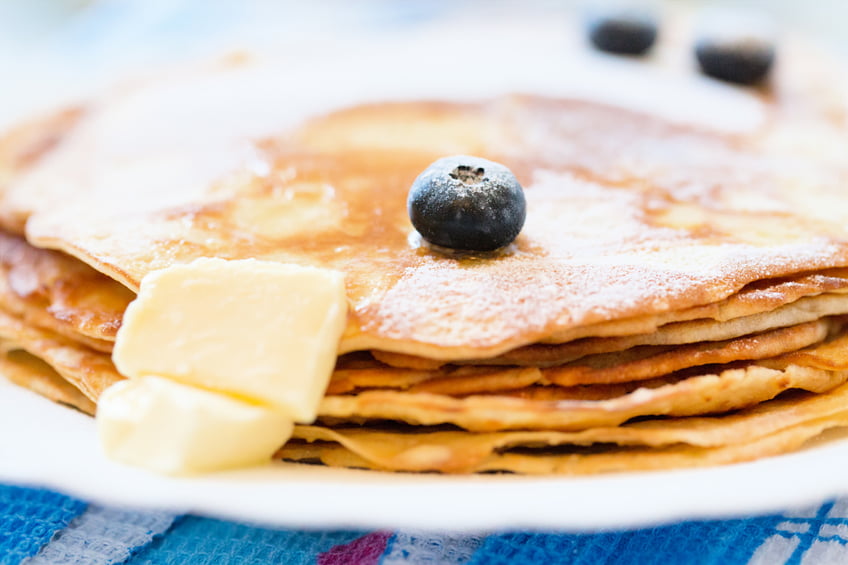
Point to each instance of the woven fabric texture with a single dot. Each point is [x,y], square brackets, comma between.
[366,550]
[205,541]
[812,536]
[29,518]
[431,549]
[103,536]
[38,527]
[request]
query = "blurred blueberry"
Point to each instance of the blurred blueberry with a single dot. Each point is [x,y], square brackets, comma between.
[735,46]
[628,30]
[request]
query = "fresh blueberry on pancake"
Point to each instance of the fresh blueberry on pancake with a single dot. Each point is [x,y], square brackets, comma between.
[467,203]
[627,31]
[742,59]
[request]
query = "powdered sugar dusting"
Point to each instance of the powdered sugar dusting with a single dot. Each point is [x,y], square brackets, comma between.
[628,213]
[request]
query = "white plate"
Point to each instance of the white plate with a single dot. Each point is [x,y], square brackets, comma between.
[43,444]
[46,445]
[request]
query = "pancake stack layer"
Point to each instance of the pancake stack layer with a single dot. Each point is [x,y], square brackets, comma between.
[678,296]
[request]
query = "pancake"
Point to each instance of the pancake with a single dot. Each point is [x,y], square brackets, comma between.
[756,298]
[92,372]
[410,449]
[53,291]
[513,399]
[89,371]
[729,389]
[677,297]
[612,461]
[25,144]
[804,310]
[638,364]
[30,372]
[688,219]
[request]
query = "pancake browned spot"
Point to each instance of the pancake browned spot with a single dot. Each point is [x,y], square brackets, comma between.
[59,293]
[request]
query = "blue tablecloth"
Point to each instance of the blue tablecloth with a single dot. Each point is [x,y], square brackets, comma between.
[39,526]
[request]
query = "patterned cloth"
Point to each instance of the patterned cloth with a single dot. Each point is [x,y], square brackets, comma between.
[42,527]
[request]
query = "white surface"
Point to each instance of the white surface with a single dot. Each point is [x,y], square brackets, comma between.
[449,58]
[46,445]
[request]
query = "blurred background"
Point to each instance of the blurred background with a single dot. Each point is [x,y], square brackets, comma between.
[55,50]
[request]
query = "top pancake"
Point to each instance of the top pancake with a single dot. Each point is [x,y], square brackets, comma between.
[629,214]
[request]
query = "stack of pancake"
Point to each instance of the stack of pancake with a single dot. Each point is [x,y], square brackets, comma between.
[678,295]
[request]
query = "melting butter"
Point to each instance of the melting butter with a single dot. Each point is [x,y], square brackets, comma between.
[222,357]
[175,429]
[260,330]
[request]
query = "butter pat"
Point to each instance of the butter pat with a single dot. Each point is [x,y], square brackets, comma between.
[157,424]
[263,331]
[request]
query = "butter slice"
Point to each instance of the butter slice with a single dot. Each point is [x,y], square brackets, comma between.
[157,424]
[263,331]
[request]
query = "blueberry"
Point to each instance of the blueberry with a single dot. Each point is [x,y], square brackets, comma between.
[628,31]
[467,203]
[743,59]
